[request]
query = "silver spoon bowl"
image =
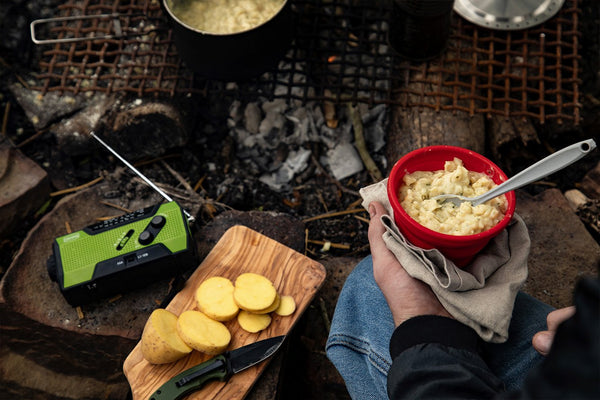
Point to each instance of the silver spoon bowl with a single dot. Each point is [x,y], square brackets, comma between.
[539,170]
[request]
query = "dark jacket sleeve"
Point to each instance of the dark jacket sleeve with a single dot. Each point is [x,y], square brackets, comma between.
[437,357]
[572,368]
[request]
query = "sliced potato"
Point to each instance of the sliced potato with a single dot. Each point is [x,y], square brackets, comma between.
[271,308]
[161,343]
[203,333]
[287,306]
[214,297]
[254,292]
[253,322]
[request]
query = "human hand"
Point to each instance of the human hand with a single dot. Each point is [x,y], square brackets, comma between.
[542,341]
[407,297]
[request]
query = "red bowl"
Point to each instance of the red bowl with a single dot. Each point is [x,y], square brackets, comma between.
[460,249]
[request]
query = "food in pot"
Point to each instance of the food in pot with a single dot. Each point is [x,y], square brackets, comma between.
[224,16]
[418,189]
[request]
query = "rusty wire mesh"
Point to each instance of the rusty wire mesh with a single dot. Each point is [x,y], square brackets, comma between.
[340,53]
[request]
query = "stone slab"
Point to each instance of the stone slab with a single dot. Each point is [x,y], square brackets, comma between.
[24,187]
[562,250]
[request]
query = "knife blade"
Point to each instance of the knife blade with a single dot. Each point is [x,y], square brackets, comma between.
[221,367]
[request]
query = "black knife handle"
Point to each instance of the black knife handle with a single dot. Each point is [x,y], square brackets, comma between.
[193,379]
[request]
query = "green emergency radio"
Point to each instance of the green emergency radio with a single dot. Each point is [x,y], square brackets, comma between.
[123,253]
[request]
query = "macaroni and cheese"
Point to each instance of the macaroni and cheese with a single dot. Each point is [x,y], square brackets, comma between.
[419,188]
[225,16]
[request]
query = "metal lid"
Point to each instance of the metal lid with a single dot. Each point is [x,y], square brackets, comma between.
[507,14]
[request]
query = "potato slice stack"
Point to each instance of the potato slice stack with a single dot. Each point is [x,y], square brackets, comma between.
[252,299]
[257,297]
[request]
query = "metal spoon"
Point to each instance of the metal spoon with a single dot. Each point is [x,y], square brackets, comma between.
[540,169]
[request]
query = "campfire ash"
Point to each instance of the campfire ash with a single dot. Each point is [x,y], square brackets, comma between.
[272,138]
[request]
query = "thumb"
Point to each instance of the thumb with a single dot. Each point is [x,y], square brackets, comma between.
[542,341]
[376,228]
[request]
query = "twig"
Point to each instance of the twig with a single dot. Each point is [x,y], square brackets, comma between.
[329,244]
[332,179]
[76,188]
[324,314]
[177,176]
[359,143]
[360,250]
[118,207]
[153,160]
[544,183]
[32,138]
[100,219]
[311,252]
[322,200]
[115,298]
[5,118]
[23,82]
[180,194]
[365,220]
[191,197]
[334,214]
[305,241]
[198,184]
[355,203]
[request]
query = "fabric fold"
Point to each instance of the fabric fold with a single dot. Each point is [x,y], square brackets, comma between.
[481,295]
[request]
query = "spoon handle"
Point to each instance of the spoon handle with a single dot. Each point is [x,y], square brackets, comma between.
[541,169]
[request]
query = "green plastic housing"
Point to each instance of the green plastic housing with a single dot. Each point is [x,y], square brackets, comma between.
[110,256]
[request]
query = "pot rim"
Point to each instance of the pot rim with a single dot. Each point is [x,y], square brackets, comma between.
[191,28]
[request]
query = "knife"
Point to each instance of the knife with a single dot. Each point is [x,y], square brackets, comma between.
[221,367]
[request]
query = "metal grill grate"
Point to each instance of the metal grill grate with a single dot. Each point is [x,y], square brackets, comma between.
[340,54]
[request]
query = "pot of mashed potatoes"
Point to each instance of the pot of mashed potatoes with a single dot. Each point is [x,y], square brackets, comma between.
[418,189]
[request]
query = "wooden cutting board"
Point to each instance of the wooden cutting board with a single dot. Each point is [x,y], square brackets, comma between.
[239,250]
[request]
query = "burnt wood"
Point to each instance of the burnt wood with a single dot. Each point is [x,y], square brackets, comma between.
[418,128]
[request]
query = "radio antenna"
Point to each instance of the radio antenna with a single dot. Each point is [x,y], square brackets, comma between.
[134,169]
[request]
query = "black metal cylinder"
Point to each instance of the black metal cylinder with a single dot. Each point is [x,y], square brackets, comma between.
[236,56]
[419,29]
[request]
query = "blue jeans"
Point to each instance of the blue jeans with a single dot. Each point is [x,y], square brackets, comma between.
[362,325]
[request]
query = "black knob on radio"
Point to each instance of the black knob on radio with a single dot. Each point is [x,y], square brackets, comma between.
[146,237]
[158,221]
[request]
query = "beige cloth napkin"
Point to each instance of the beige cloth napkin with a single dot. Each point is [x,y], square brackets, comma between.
[480,295]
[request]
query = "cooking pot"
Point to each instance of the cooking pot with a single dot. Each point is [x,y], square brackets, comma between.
[235,56]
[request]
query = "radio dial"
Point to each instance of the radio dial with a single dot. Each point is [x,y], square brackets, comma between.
[146,237]
[158,221]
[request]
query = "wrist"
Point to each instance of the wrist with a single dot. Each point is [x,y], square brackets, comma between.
[433,329]
[410,306]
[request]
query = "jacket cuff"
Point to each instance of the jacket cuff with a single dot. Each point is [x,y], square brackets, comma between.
[433,329]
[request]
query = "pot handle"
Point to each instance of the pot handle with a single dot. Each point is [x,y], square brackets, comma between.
[119,32]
